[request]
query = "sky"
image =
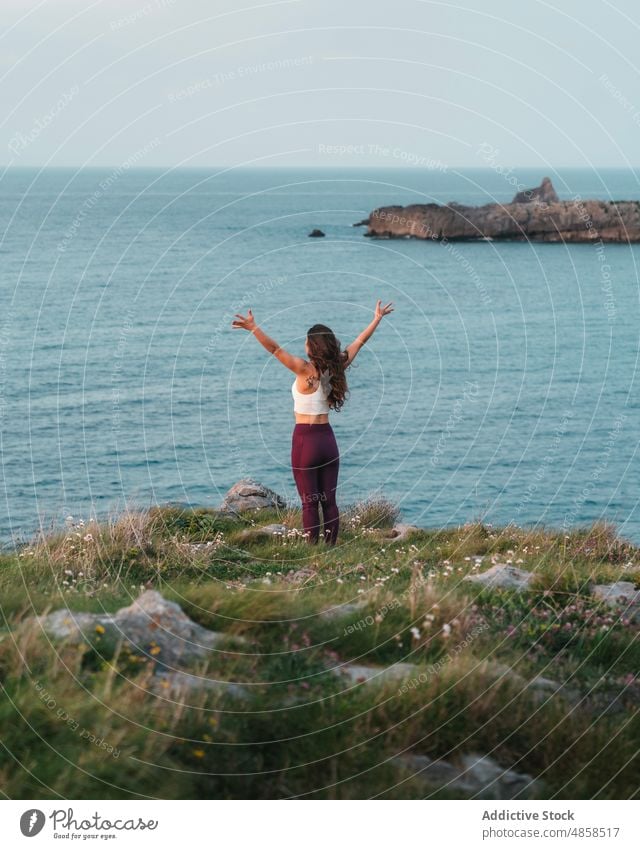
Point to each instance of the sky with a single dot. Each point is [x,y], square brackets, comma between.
[410,83]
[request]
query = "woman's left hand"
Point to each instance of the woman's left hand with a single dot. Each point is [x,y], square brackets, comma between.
[245,323]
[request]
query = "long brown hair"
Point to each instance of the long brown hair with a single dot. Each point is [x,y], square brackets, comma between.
[326,355]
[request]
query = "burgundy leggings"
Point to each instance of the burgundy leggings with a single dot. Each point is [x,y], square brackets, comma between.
[315,461]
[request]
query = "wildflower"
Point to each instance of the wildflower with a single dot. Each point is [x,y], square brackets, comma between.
[99,629]
[198,753]
[446,629]
[88,538]
[415,633]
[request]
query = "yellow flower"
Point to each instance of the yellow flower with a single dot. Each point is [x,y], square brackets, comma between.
[198,753]
[100,629]
[155,650]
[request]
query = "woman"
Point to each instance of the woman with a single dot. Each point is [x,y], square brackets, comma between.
[320,385]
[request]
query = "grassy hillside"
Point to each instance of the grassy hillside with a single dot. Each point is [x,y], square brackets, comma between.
[90,721]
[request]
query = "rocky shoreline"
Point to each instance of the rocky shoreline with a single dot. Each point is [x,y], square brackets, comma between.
[535,215]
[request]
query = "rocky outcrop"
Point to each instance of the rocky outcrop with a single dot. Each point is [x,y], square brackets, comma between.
[401,531]
[151,626]
[503,575]
[544,193]
[622,594]
[534,215]
[316,234]
[474,774]
[248,494]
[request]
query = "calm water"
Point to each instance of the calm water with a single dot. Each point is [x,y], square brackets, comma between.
[504,385]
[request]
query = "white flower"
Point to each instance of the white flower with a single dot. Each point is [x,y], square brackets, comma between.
[415,633]
[446,629]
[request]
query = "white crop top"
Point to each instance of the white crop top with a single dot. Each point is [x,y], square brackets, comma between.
[314,403]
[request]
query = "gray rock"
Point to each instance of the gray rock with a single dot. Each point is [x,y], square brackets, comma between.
[177,684]
[265,531]
[472,774]
[545,687]
[620,594]
[401,531]
[248,494]
[343,610]
[300,576]
[361,673]
[503,575]
[540,687]
[151,625]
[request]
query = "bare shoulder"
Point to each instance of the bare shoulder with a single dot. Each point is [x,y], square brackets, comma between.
[309,373]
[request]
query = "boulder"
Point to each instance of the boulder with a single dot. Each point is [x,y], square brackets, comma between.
[361,673]
[151,626]
[177,685]
[267,532]
[621,594]
[316,234]
[401,531]
[248,494]
[472,774]
[342,610]
[301,576]
[503,575]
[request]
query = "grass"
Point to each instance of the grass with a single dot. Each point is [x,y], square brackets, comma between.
[87,721]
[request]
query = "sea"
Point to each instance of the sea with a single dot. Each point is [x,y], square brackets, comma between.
[502,388]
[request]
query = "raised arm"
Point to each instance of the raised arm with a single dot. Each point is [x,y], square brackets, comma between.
[368,332]
[248,322]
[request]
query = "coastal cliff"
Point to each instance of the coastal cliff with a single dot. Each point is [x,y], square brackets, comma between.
[535,215]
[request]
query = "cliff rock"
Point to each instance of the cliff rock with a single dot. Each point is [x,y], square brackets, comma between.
[534,215]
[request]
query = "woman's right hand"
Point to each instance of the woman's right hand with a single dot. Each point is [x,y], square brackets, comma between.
[382,311]
[247,322]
